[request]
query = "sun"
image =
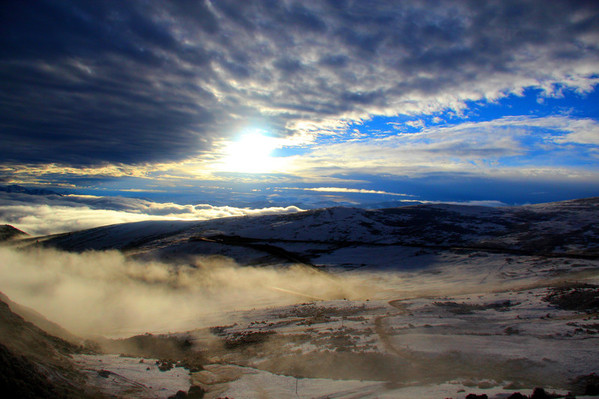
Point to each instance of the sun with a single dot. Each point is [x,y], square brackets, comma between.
[250,153]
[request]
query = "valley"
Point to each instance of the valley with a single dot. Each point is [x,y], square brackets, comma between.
[431,301]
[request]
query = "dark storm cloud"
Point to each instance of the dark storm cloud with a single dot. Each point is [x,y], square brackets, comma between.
[128,82]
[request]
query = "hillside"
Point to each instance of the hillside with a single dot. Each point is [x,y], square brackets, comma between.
[330,236]
[8,232]
[35,364]
[37,319]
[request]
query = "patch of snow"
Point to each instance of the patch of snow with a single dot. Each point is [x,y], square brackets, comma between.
[128,377]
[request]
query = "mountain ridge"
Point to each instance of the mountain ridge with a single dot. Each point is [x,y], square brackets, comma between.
[558,229]
[8,232]
[14,188]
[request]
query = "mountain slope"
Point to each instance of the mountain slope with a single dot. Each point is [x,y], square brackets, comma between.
[24,190]
[35,364]
[565,229]
[8,232]
[37,319]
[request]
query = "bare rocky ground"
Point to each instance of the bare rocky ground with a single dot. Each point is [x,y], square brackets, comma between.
[495,343]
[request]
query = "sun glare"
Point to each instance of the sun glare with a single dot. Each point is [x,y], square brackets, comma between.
[251,153]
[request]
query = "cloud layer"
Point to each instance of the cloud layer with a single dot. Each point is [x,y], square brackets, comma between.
[91,83]
[553,147]
[50,214]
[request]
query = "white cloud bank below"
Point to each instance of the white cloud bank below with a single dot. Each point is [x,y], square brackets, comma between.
[51,214]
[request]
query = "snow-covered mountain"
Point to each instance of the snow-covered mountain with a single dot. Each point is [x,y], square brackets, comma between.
[330,236]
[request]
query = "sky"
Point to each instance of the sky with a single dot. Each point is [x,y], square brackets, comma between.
[264,104]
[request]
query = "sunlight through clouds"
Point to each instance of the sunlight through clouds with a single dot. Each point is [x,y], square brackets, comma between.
[252,152]
[177,94]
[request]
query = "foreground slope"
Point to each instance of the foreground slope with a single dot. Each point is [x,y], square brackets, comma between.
[35,364]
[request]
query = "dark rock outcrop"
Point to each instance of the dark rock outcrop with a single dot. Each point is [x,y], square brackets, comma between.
[8,232]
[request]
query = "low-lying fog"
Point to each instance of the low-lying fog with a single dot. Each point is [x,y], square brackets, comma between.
[110,294]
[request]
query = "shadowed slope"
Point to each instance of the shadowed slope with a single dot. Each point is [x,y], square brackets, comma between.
[35,364]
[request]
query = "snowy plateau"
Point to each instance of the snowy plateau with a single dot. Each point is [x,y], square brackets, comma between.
[422,301]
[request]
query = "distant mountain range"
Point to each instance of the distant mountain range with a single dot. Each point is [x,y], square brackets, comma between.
[24,190]
[330,236]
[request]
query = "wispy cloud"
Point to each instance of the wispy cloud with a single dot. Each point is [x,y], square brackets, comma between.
[349,190]
[510,145]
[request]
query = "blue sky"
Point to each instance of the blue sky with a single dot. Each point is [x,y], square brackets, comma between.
[307,103]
